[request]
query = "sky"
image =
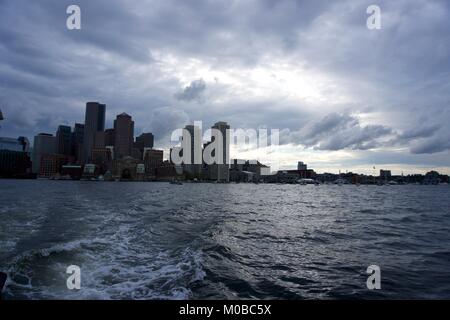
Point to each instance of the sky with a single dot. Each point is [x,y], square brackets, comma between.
[342,96]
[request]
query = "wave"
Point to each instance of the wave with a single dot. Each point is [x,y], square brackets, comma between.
[108,271]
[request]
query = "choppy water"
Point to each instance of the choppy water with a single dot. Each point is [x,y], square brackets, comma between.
[204,241]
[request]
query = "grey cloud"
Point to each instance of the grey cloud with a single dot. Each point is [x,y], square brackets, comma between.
[433,142]
[355,137]
[433,145]
[165,120]
[194,91]
[335,132]
[419,132]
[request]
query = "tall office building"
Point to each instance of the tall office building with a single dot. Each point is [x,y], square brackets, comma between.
[220,171]
[124,138]
[77,141]
[64,140]
[94,122]
[99,139]
[44,144]
[145,140]
[194,134]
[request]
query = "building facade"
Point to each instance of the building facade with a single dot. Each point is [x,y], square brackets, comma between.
[192,138]
[152,160]
[143,141]
[220,171]
[124,136]
[94,122]
[110,137]
[64,140]
[14,164]
[51,164]
[77,141]
[44,143]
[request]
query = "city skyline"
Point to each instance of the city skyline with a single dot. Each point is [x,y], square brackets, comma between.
[100,139]
[339,102]
[108,146]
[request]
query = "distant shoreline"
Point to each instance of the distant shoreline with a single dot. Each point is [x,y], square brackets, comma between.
[231,182]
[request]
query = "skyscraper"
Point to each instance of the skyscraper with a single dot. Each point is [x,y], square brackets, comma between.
[64,140]
[94,122]
[124,129]
[194,162]
[77,141]
[44,144]
[221,170]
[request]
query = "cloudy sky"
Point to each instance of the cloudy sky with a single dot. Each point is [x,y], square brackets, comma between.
[343,97]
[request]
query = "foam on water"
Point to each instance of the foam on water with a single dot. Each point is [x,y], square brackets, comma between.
[109,271]
[158,241]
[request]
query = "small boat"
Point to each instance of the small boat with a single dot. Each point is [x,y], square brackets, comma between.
[176,182]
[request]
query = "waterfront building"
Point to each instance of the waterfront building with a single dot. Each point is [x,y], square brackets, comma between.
[152,160]
[14,164]
[303,174]
[385,175]
[44,143]
[20,144]
[168,171]
[102,158]
[125,168]
[144,141]
[64,140]
[301,166]
[73,171]
[220,171]
[51,164]
[193,165]
[140,172]
[90,171]
[94,122]
[14,157]
[247,170]
[77,141]
[124,135]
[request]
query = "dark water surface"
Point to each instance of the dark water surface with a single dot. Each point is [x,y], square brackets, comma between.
[204,241]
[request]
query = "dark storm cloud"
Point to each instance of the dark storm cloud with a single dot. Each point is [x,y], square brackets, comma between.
[137,56]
